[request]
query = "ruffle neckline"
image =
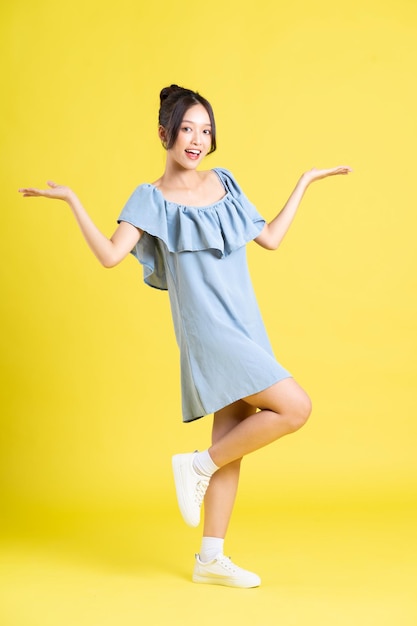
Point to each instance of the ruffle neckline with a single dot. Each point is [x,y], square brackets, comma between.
[221,227]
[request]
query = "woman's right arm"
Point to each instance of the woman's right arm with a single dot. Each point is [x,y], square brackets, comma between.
[108,251]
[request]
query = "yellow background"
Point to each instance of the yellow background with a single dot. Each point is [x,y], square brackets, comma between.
[90,382]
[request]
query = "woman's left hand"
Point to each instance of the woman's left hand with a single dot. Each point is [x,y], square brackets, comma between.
[316,174]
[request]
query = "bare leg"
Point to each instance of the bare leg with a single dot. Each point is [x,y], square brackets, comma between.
[221,493]
[285,407]
[238,429]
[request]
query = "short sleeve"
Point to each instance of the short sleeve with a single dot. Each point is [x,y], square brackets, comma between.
[221,227]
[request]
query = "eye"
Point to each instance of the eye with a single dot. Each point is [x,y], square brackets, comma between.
[186,129]
[207,132]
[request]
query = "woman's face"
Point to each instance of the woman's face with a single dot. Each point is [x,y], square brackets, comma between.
[193,141]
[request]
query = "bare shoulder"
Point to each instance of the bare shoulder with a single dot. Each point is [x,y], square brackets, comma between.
[211,183]
[211,187]
[157,183]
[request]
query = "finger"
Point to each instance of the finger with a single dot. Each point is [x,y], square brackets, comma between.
[29,191]
[341,169]
[33,192]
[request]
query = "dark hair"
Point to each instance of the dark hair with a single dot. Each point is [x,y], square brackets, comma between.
[175,101]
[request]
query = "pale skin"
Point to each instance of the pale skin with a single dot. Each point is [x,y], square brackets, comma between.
[254,421]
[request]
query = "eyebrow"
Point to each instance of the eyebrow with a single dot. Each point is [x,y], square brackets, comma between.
[191,122]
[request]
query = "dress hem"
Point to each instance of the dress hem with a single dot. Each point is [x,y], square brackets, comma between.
[188,420]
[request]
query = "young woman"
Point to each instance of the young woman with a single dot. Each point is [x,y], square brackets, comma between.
[189,229]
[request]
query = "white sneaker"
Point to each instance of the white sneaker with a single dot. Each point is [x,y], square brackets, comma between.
[190,486]
[221,571]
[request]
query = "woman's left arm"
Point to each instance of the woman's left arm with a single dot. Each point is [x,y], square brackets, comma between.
[274,232]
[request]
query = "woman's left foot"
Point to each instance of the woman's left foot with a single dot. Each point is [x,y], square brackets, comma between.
[190,487]
[222,571]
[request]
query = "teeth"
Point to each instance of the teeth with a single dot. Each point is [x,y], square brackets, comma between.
[193,151]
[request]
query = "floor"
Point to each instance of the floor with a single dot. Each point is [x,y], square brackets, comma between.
[331,564]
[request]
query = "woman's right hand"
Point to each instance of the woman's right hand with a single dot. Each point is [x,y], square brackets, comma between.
[57,192]
[108,251]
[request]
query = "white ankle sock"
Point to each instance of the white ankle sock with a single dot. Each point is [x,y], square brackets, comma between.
[210,548]
[203,464]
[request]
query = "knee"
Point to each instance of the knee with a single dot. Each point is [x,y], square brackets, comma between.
[300,413]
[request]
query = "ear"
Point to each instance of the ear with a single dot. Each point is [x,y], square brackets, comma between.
[162,134]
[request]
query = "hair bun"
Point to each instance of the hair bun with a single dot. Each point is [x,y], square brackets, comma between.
[167,91]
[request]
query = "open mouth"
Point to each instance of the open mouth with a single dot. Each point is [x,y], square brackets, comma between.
[195,153]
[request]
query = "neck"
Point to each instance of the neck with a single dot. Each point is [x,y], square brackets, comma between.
[177,176]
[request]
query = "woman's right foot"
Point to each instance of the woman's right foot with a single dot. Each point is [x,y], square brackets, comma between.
[222,571]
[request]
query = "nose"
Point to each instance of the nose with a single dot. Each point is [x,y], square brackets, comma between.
[196,138]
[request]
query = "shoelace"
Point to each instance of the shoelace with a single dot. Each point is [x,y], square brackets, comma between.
[200,490]
[226,562]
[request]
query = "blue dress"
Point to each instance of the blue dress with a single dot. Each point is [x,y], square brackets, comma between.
[199,255]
